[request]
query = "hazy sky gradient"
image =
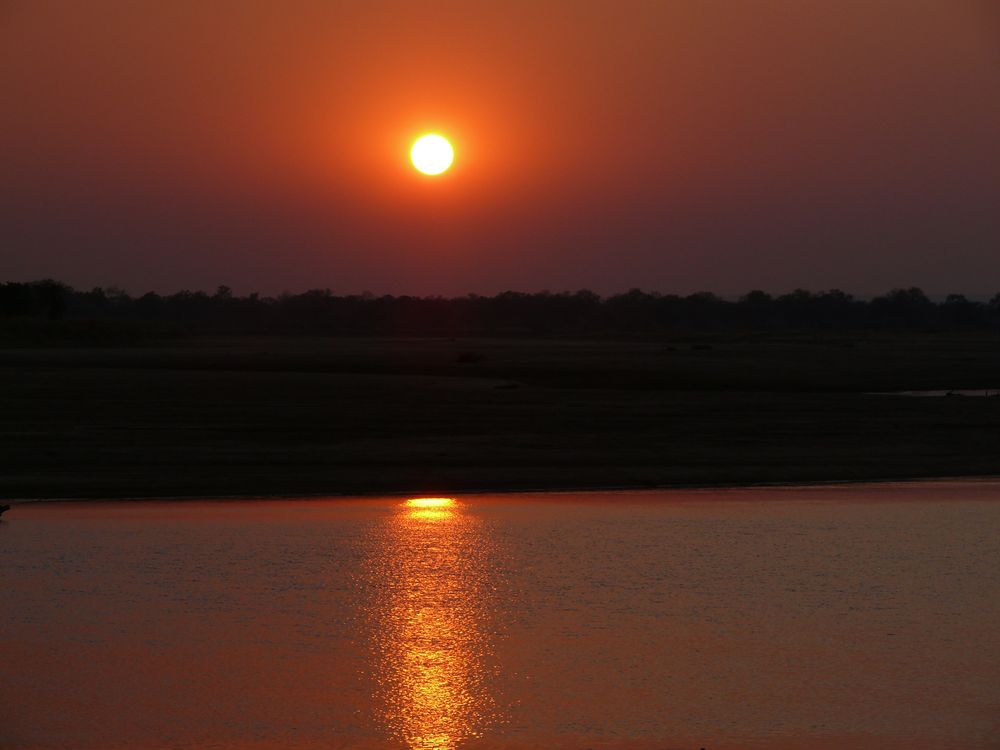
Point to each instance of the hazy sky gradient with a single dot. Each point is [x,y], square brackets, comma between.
[674,146]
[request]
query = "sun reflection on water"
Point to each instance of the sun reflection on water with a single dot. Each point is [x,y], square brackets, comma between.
[430,502]
[432,649]
[430,508]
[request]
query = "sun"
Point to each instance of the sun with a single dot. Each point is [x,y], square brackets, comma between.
[432,154]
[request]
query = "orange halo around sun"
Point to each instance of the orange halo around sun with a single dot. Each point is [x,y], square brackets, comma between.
[432,154]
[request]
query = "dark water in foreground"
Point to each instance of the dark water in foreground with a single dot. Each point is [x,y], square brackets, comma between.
[861,617]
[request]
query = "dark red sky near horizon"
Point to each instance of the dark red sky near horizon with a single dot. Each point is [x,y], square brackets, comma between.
[673,146]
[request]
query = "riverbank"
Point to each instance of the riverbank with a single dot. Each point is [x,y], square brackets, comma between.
[270,417]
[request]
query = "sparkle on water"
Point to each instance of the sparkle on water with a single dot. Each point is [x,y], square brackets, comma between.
[432,645]
[430,502]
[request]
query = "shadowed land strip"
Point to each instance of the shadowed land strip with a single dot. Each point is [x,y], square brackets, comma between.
[312,416]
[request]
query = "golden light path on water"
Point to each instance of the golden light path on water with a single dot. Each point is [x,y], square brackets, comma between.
[432,649]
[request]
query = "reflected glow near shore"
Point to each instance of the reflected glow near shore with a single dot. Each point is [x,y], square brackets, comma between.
[430,502]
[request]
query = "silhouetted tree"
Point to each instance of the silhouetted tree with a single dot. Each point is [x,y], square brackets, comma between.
[51,298]
[903,308]
[959,312]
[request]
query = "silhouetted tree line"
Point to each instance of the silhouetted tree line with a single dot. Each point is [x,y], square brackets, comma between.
[510,313]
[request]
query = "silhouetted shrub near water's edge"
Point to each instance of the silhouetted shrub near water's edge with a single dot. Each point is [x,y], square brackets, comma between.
[48,312]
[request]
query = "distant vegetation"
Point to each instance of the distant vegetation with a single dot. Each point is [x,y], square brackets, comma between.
[44,311]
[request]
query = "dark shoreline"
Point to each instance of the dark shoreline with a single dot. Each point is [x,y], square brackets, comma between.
[548,491]
[279,417]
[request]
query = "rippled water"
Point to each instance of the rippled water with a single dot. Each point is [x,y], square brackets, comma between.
[854,616]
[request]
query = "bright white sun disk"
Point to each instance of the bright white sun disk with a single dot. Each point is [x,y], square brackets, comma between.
[432,154]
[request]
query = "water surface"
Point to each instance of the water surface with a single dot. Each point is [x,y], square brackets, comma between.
[852,616]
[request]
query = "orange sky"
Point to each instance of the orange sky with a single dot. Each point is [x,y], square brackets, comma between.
[668,145]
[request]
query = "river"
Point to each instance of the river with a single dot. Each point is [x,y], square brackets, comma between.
[861,616]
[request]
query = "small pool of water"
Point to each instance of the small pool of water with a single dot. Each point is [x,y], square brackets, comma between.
[984,393]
